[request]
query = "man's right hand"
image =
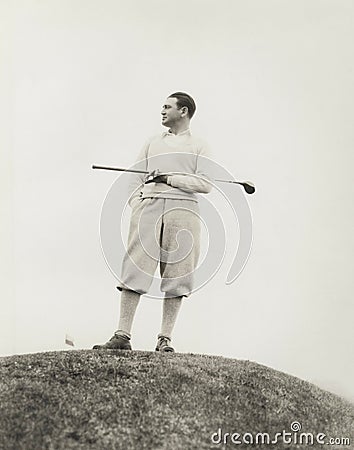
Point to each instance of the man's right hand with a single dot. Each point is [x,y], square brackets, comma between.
[155,177]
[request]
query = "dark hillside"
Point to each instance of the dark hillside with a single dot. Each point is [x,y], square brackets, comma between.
[143,400]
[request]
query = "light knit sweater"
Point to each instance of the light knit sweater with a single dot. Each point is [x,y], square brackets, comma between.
[183,157]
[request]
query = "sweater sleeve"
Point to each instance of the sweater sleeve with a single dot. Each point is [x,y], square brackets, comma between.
[137,179]
[200,181]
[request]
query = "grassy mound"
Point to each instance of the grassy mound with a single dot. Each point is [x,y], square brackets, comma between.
[143,400]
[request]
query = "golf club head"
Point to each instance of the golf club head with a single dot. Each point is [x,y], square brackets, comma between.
[249,187]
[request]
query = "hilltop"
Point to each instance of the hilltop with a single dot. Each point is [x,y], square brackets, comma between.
[145,400]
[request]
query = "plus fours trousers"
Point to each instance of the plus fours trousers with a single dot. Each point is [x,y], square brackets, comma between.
[164,232]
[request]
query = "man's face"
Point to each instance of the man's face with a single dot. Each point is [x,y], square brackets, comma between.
[170,113]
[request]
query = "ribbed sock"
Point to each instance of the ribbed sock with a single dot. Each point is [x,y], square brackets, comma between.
[129,301]
[170,310]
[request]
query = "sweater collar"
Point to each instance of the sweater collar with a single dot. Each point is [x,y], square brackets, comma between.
[182,133]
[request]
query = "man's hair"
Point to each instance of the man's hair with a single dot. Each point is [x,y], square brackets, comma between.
[184,99]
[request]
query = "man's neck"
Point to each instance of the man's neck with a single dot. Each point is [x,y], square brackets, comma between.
[179,128]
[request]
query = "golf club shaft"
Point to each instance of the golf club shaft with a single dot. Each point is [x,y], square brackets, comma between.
[246,186]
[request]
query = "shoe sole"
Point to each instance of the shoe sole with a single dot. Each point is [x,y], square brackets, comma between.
[165,350]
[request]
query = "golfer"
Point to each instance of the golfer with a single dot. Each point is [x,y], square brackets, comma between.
[165,224]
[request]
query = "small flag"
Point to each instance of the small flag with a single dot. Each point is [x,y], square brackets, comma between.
[69,340]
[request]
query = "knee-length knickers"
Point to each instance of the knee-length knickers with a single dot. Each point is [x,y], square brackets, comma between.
[166,232]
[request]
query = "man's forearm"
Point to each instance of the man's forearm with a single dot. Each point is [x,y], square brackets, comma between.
[190,183]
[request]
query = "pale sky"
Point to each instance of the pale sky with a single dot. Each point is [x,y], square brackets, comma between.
[83,83]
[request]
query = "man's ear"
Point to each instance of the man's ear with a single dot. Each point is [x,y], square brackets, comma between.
[184,111]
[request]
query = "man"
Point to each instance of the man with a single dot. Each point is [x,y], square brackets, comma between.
[165,224]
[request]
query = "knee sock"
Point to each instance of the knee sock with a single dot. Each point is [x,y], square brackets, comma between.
[171,307]
[129,301]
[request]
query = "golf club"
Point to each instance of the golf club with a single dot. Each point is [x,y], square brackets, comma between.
[247,185]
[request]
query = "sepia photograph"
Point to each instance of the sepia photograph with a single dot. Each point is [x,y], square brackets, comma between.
[176,224]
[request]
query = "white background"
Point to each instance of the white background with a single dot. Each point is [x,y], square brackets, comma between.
[82,82]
